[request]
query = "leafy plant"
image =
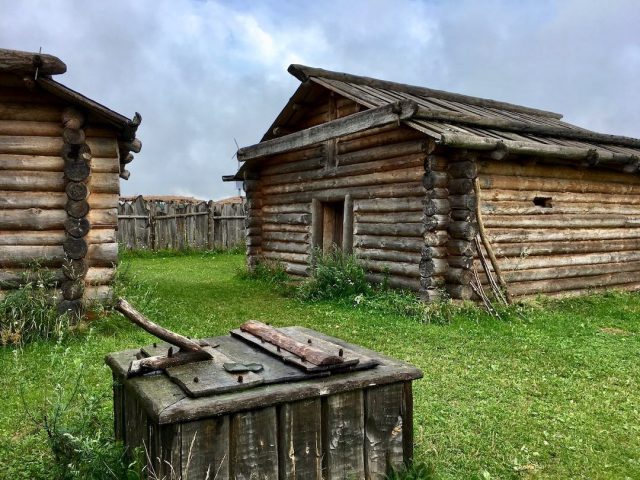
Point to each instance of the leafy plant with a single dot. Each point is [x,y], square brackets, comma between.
[417,471]
[69,412]
[28,312]
[334,275]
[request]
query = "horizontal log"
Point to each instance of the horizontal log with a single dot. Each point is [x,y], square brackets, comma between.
[296,237]
[52,237]
[22,255]
[299,258]
[462,247]
[566,272]
[429,267]
[560,284]
[394,281]
[340,171]
[458,276]
[304,154]
[561,221]
[397,268]
[381,178]
[102,255]
[52,146]
[436,222]
[459,292]
[406,229]
[436,207]
[104,183]
[463,215]
[12,111]
[463,230]
[562,247]
[540,261]
[460,186]
[38,219]
[374,117]
[377,137]
[435,179]
[290,208]
[436,193]
[467,202]
[529,235]
[280,227]
[504,182]
[99,294]
[407,244]
[434,252]
[388,255]
[385,152]
[397,217]
[528,208]
[27,63]
[493,195]
[465,169]
[388,205]
[51,200]
[288,218]
[538,149]
[460,261]
[288,247]
[627,287]
[436,239]
[409,189]
[556,171]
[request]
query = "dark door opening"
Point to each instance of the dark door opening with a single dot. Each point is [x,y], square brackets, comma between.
[332,225]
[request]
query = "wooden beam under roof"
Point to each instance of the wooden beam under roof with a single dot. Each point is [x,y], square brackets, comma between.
[357,122]
[21,63]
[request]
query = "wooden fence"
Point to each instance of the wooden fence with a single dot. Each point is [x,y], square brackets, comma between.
[157,225]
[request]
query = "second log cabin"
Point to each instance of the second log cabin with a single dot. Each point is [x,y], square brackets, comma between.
[62,156]
[442,192]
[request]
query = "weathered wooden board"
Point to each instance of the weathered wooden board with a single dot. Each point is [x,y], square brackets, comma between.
[205,448]
[300,439]
[253,445]
[343,436]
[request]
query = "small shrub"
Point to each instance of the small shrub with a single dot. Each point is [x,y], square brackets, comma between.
[334,275]
[417,471]
[29,312]
[272,273]
[73,419]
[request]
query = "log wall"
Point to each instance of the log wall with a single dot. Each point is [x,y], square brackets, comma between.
[584,234]
[59,192]
[382,170]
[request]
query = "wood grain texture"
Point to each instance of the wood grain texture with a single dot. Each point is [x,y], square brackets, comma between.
[205,448]
[343,436]
[383,437]
[253,446]
[300,440]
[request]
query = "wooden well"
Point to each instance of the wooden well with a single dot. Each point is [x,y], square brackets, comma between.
[284,423]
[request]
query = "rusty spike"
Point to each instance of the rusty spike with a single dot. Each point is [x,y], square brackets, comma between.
[309,341]
[340,353]
[196,379]
[240,379]
[170,352]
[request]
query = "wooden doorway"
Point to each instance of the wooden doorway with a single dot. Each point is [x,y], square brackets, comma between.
[332,225]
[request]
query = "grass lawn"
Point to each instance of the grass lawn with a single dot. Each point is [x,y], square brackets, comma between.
[555,394]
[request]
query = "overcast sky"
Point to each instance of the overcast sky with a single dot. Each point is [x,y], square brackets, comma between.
[203,73]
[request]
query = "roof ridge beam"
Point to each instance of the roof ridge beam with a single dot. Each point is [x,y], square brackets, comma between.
[590,156]
[304,73]
[376,117]
[524,127]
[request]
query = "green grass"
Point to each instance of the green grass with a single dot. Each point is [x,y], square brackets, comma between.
[551,393]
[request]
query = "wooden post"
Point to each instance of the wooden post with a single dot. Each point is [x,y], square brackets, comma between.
[316,223]
[347,227]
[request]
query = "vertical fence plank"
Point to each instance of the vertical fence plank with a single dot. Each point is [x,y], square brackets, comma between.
[254,445]
[299,440]
[158,225]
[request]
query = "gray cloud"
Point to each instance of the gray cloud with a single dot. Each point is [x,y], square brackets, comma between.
[205,73]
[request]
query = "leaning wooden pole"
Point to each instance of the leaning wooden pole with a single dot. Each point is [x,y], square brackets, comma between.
[487,244]
[171,337]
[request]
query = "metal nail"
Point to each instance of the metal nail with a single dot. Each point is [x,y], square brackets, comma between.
[240,379]
[278,348]
[155,345]
[309,341]
[196,379]
[170,352]
[303,358]
[340,353]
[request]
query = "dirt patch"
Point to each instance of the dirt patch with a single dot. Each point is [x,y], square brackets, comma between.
[615,331]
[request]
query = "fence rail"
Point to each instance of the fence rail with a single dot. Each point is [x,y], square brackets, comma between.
[158,225]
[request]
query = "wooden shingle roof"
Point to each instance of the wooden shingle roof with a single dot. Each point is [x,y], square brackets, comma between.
[454,120]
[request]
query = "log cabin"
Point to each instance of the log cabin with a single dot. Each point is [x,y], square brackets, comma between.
[61,158]
[442,192]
